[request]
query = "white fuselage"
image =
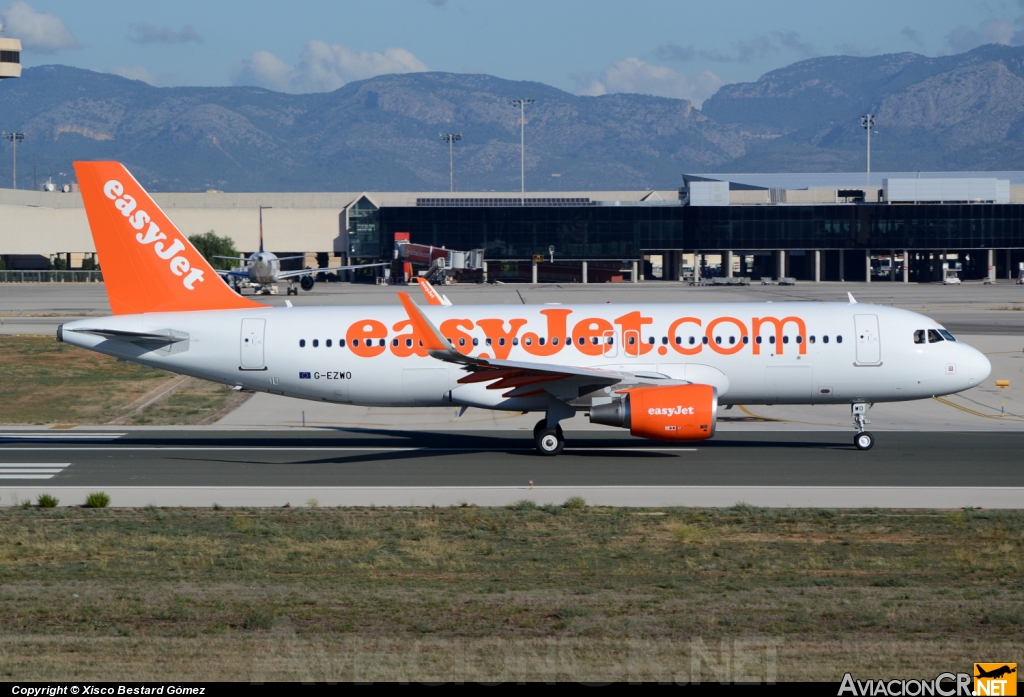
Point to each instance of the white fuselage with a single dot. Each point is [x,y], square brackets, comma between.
[263,267]
[367,355]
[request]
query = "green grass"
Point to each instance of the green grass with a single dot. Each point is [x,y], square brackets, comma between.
[47,382]
[519,592]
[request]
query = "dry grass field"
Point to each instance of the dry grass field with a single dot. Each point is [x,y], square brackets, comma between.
[522,593]
[47,382]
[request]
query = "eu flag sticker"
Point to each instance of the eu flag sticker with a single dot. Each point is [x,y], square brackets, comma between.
[304,376]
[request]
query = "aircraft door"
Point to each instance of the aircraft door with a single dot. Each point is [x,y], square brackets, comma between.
[610,346]
[252,344]
[869,347]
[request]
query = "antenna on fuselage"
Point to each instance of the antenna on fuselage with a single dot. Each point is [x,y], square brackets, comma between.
[848,294]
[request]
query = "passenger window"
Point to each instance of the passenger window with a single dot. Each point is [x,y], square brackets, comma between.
[919,336]
[302,343]
[811,337]
[693,340]
[341,343]
[355,342]
[704,340]
[462,342]
[664,341]
[394,342]
[593,340]
[632,340]
[839,339]
[650,340]
[933,337]
[611,340]
[328,343]
[488,341]
[757,340]
[554,341]
[746,339]
[383,343]
[799,339]
[771,339]
[408,343]
[316,342]
[825,339]
[679,340]
[718,340]
[515,341]
[476,342]
[540,341]
[501,341]
[732,340]
[582,341]
[785,339]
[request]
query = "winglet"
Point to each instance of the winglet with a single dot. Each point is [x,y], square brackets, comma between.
[850,295]
[148,264]
[433,298]
[432,338]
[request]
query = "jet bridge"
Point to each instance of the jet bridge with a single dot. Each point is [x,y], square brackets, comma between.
[436,264]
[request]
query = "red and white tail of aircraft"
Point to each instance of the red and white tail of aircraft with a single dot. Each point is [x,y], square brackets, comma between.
[659,370]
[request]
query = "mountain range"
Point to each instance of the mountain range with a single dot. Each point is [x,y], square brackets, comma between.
[959,112]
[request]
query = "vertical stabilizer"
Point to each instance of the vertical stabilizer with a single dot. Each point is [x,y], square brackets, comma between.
[148,264]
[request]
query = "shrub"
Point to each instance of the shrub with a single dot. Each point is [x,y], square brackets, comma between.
[524,505]
[575,503]
[97,499]
[47,501]
[259,619]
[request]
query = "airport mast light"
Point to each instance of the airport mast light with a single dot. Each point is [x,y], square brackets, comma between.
[450,138]
[867,122]
[15,138]
[521,103]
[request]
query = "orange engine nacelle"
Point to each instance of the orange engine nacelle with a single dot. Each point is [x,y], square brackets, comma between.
[675,412]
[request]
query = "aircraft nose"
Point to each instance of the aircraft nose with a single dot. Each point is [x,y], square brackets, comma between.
[980,367]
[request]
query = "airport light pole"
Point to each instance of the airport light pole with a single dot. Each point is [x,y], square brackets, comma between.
[15,138]
[868,123]
[450,138]
[521,103]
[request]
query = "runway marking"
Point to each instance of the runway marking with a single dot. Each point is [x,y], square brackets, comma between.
[31,470]
[61,436]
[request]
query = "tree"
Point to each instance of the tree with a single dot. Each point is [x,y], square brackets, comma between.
[210,245]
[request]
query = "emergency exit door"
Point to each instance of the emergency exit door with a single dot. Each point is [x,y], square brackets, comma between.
[252,344]
[869,347]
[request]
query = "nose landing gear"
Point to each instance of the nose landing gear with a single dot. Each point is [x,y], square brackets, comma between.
[863,440]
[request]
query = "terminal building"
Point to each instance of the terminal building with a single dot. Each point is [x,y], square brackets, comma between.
[896,227]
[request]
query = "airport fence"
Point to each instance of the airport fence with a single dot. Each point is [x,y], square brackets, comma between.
[51,276]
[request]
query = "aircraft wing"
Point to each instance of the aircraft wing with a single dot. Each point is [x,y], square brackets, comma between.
[232,272]
[523,378]
[433,297]
[232,258]
[313,272]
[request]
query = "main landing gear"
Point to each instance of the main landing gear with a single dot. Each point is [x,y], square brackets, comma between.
[863,440]
[549,441]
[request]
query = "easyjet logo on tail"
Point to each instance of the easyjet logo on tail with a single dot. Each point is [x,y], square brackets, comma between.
[150,234]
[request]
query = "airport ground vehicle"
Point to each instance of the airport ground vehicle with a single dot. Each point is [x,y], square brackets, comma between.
[660,370]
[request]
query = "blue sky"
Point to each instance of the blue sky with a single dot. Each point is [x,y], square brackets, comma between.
[677,49]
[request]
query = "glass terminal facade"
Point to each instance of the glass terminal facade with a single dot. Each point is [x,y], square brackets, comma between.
[627,231]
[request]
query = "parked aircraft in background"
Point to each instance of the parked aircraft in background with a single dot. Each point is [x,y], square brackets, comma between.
[659,370]
[263,269]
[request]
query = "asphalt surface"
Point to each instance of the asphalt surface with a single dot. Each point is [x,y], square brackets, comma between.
[328,458]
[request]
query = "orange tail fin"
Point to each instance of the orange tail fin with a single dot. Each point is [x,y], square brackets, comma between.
[148,264]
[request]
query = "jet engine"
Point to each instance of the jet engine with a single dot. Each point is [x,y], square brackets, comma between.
[306,282]
[672,412]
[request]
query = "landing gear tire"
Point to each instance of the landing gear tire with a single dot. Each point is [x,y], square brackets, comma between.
[864,440]
[549,441]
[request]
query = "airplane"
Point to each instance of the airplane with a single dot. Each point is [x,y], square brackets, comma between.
[994,673]
[659,370]
[263,269]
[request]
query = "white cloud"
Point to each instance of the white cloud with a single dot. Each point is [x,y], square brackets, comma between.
[149,34]
[322,67]
[43,32]
[634,75]
[991,31]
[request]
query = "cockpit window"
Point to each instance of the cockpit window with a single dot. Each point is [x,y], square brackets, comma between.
[934,337]
[946,335]
[919,336]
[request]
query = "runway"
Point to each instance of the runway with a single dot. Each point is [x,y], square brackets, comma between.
[346,467]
